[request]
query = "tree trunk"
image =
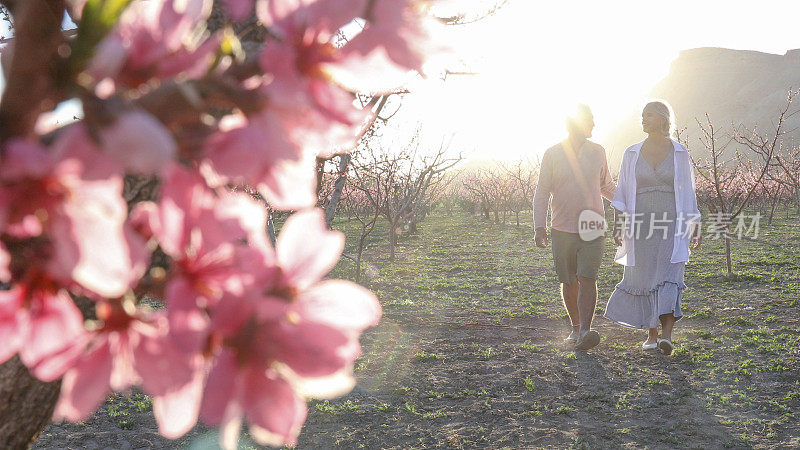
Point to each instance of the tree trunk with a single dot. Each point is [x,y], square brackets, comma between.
[360,251]
[320,171]
[797,197]
[728,255]
[774,204]
[412,225]
[392,241]
[338,187]
[26,405]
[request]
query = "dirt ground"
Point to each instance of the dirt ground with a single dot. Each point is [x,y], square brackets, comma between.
[469,354]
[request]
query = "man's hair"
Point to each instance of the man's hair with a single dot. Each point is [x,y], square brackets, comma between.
[579,112]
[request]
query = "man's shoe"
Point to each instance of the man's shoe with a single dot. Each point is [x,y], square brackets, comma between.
[666,347]
[590,339]
[572,338]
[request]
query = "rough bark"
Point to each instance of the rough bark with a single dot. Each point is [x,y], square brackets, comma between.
[29,87]
[338,187]
[26,405]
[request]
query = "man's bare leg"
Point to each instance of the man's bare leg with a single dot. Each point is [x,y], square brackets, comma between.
[667,323]
[569,293]
[587,301]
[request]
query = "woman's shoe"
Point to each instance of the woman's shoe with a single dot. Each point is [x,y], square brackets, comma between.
[666,347]
[651,346]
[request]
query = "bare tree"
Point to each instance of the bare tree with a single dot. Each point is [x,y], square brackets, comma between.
[787,161]
[523,176]
[400,184]
[732,178]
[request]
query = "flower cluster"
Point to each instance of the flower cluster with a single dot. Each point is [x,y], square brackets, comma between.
[248,329]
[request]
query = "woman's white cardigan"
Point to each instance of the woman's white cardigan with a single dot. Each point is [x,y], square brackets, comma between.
[685,203]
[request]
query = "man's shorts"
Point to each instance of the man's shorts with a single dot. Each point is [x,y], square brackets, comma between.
[574,256]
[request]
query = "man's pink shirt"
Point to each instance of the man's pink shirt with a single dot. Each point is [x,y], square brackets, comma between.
[576,180]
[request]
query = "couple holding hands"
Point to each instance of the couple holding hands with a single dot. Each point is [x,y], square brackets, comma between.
[656,222]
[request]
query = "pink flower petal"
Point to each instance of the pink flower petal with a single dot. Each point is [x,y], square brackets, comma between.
[244,152]
[190,63]
[56,331]
[220,389]
[143,219]
[108,59]
[328,15]
[275,413]
[139,142]
[306,249]
[90,243]
[188,324]
[340,304]
[121,345]
[23,159]
[85,386]
[162,366]
[183,195]
[310,349]
[177,18]
[176,411]
[404,31]
[289,185]
[54,365]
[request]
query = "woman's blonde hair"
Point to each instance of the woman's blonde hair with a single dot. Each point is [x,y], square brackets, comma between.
[663,109]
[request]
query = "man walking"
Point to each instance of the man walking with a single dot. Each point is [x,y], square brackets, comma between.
[575,173]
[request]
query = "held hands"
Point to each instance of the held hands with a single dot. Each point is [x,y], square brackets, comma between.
[697,240]
[541,237]
[617,230]
[617,233]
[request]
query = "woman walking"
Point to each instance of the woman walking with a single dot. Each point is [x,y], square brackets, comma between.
[656,196]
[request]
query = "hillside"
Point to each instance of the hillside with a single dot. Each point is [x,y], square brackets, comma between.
[735,87]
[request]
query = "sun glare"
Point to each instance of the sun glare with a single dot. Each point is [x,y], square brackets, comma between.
[530,62]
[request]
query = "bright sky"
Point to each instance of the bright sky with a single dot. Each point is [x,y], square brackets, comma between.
[536,59]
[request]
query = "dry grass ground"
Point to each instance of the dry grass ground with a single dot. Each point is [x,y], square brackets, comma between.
[469,354]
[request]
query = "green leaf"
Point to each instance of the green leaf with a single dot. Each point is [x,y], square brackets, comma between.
[97,19]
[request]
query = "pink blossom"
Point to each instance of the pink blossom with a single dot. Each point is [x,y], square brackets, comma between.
[243,155]
[275,413]
[129,349]
[70,195]
[318,115]
[275,342]
[327,16]
[139,142]
[43,325]
[207,238]
[150,42]
[402,31]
